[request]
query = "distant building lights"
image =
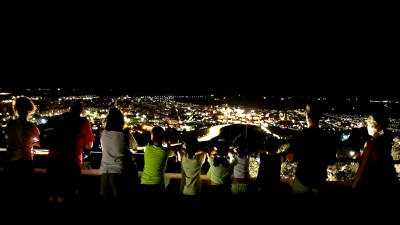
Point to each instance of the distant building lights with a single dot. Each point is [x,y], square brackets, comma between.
[345,137]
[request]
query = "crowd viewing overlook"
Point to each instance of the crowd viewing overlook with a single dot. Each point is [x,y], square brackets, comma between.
[212,119]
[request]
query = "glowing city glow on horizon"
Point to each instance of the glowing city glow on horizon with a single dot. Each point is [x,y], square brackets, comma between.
[214,132]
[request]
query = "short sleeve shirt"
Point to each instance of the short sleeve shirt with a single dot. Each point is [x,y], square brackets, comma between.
[155,163]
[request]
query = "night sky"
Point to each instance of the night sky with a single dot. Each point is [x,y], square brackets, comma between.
[329,71]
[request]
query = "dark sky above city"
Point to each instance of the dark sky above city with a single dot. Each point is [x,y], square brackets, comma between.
[337,57]
[269,84]
[332,70]
[336,66]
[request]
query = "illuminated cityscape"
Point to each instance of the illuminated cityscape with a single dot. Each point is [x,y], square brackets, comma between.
[210,116]
[278,116]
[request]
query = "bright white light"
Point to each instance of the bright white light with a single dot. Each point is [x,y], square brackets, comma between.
[345,137]
[352,153]
[230,157]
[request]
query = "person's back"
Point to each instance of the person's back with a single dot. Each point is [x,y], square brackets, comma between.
[19,139]
[241,170]
[155,163]
[112,145]
[268,176]
[191,163]
[313,150]
[220,170]
[64,160]
[311,158]
[21,133]
[22,136]
[115,143]
[62,133]
[376,175]
[381,172]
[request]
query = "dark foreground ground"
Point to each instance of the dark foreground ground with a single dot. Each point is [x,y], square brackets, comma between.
[338,203]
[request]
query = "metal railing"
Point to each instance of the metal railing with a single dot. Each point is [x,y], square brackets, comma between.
[140,148]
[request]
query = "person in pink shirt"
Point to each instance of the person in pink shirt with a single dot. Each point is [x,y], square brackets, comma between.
[21,136]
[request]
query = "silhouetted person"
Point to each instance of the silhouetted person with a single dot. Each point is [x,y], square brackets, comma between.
[375,179]
[313,150]
[269,170]
[64,160]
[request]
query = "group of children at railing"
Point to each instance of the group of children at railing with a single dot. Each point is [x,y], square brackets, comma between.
[228,172]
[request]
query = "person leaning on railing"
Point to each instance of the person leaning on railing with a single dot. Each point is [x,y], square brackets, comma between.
[155,162]
[313,150]
[192,157]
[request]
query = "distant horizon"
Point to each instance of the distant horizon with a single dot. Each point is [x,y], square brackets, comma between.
[227,91]
[329,102]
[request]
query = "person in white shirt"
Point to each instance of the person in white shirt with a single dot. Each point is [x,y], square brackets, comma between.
[115,143]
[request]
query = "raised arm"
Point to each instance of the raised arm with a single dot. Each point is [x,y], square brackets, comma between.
[368,148]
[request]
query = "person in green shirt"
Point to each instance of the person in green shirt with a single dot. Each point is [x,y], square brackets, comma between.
[155,163]
[192,158]
[220,171]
